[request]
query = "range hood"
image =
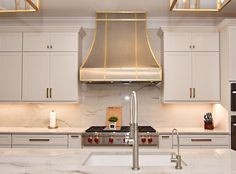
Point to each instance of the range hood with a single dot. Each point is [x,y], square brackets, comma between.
[120,51]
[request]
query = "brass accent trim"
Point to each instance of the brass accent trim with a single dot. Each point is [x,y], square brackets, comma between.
[149,45]
[218,8]
[47,92]
[223,5]
[121,11]
[172,5]
[50,93]
[33,5]
[91,48]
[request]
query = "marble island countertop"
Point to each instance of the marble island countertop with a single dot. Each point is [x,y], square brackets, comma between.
[58,161]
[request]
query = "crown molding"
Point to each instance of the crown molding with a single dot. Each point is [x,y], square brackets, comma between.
[75,23]
[226,23]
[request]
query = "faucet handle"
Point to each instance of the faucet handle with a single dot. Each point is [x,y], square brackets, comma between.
[178,162]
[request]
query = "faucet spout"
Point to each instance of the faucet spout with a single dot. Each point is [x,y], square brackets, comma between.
[178,159]
[133,136]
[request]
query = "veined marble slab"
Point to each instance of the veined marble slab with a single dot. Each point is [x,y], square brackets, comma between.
[59,161]
[41,130]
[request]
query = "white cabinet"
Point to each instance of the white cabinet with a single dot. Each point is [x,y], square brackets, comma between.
[191,41]
[177,76]
[50,42]
[74,141]
[10,66]
[10,76]
[206,76]
[203,141]
[50,76]
[40,140]
[10,41]
[191,76]
[194,141]
[165,141]
[5,140]
[191,67]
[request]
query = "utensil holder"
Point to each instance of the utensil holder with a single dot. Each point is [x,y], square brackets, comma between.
[208,125]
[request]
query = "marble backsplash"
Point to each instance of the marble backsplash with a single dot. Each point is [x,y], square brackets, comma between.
[95,98]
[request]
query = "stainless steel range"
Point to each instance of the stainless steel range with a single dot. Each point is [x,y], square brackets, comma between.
[102,136]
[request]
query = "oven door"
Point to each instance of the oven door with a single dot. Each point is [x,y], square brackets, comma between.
[233,97]
[233,132]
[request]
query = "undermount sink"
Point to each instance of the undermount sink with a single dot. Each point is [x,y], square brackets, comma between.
[125,159]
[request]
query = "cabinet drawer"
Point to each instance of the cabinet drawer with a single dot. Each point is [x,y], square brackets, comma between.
[74,141]
[165,141]
[28,140]
[5,140]
[203,140]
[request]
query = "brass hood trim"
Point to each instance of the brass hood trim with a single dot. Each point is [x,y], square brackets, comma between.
[150,71]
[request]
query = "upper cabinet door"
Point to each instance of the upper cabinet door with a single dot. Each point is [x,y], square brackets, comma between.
[36,42]
[205,41]
[206,76]
[64,76]
[177,42]
[232,54]
[177,76]
[64,42]
[36,67]
[10,76]
[10,41]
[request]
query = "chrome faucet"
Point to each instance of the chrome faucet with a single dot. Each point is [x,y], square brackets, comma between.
[177,159]
[133,135]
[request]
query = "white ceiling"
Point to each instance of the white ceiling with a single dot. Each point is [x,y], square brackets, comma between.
[87,8]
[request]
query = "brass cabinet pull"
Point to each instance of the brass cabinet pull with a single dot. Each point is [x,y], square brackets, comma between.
[47,92]
[51,46]
[198,140]
[50,92]
[194,92]
[38,139]
[190,92]
[47,46]
[190,46]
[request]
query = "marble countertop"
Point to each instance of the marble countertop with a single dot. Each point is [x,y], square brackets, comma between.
[72,130]
[59,130]
[71,161]
[193,130]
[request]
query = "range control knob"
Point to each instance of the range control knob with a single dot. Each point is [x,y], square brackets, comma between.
[149,140]
[111,140]
[143,140]
[90,139]
[96,139]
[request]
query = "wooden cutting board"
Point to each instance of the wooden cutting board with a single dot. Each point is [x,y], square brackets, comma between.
[114,111]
